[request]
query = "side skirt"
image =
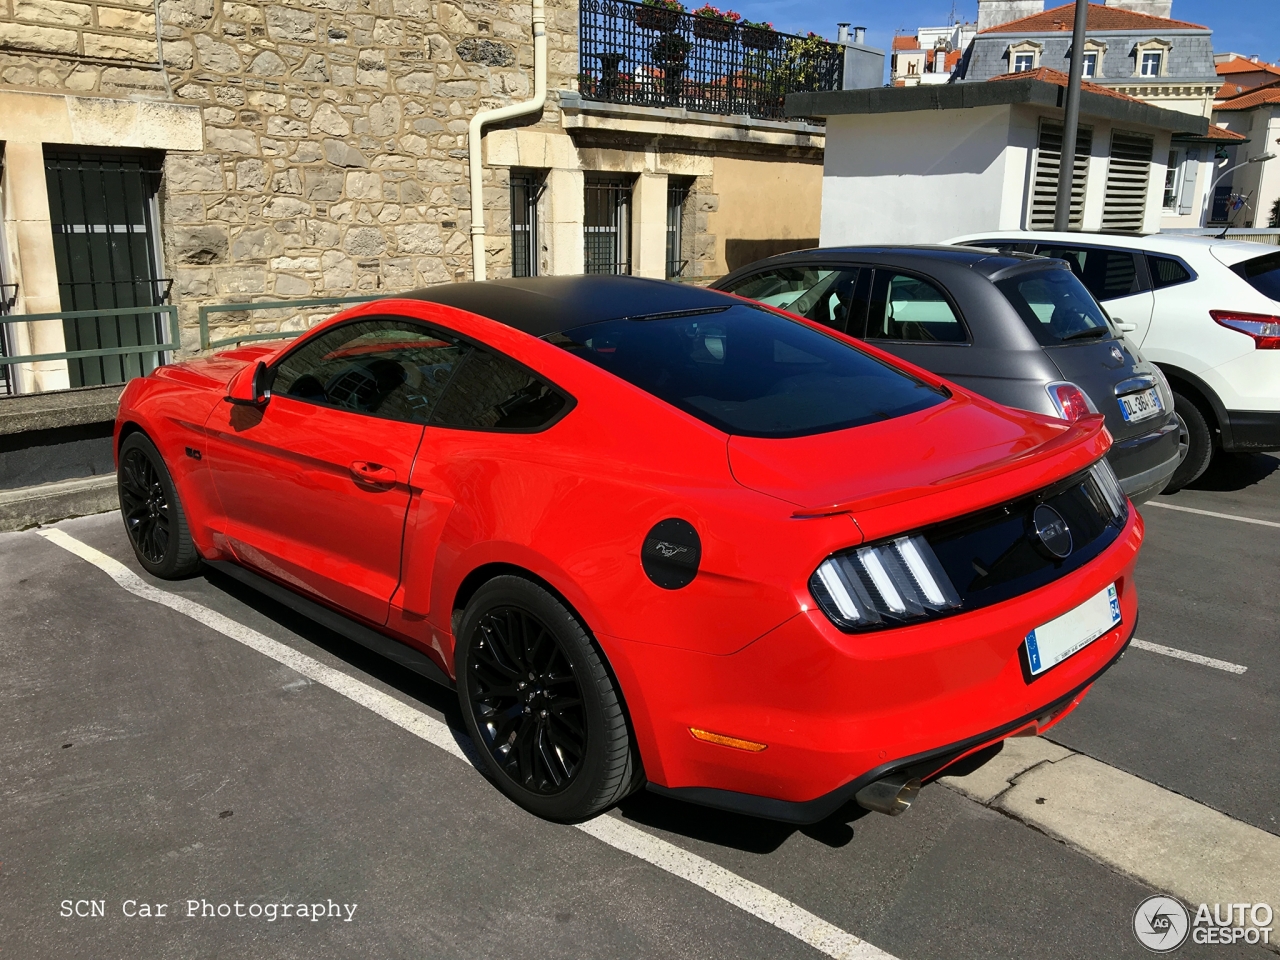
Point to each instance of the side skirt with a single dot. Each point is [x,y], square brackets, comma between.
[379,643]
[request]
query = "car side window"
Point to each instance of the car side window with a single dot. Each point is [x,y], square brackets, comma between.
[1107,274]
[908,308]
[389,368]
[1166,272]
[492,392]
[821,294]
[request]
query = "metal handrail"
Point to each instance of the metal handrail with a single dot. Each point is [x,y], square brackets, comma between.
[208,344]
[168,309]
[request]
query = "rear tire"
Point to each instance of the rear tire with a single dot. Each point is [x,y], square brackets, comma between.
[544,712]
[1196,433]
[153,516]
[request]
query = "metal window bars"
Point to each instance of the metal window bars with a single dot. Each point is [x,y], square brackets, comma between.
[677,194]
[8,297]
[655,57]
[104,217]
[606,230]
[526,189]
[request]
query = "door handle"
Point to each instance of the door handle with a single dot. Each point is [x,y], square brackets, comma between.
[372,473]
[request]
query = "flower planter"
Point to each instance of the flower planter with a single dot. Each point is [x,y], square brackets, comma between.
[711,28]
[759,39]
[657,18]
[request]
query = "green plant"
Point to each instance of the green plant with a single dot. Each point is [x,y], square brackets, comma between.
[753,25]
[675,6]
[715,13]
[670,48]
[1274,222]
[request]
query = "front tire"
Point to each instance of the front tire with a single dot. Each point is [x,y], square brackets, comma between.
[153,514]
[544,712]
[1195,433]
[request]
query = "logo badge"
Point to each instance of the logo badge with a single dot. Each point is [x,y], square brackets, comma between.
[1161,923]
[1117,353]
[1053,531]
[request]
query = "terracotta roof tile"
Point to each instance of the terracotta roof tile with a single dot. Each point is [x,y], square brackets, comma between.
[1268,93]
[1060,79]
[907,42]
[1221,133]
[1101,18]
[1241,65]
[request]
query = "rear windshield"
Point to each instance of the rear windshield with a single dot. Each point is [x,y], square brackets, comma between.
[1263,274]
[748,371]
[1055,306]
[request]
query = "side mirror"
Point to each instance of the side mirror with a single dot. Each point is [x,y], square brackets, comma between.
[251,387]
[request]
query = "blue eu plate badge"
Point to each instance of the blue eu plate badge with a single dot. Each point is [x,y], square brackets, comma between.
[1051,643]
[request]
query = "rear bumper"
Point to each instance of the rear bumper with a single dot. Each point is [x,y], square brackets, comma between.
[1252,431]
[1145,463]
[839,710]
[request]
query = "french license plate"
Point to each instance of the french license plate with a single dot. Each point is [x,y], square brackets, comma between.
[1050,644]
[1141,405]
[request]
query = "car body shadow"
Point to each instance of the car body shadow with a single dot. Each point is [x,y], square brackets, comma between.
[1235,471]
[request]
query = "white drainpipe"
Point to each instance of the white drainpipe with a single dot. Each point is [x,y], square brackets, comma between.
[474,134]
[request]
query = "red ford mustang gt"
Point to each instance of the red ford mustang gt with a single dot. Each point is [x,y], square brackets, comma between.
[654,535]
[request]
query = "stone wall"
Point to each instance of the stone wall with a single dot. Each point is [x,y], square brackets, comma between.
[335,131]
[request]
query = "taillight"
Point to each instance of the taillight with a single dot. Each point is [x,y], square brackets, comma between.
[1070,401]
[1263,328]
[895,582]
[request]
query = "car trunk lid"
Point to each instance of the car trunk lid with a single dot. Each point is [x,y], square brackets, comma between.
[921,468]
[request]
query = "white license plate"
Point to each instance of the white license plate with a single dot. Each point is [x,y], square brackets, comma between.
[1050,644]
[1140,406]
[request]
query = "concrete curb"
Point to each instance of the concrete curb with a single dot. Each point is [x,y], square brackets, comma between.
[47,502]
[62,408]
[1159,837]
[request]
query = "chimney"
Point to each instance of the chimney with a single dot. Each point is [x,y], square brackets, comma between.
[1152,8]
[859,34]
[994,12]
[842,33]
[863,65]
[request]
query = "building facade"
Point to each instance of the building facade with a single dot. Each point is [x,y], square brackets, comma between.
[1254,117]
[247,152]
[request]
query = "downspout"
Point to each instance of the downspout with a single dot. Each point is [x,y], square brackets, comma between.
[475,131]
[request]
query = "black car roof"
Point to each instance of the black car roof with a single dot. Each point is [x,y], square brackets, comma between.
[545,305]
[978,259]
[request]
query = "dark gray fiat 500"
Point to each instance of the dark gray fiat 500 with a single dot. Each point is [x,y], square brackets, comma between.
[1019,329]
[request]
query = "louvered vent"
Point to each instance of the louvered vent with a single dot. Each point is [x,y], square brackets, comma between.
[1044,192]
[1128,180]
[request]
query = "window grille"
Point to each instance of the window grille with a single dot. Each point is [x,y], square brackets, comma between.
[1044,190]
[526,189]
[106,248]
[607,225]
[677,194]
[1128,175]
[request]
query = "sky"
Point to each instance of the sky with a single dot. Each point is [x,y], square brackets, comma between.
[1247,27]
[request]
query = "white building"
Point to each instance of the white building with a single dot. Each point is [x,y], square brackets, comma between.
[922,164]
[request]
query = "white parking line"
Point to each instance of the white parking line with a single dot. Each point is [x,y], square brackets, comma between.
[716,880]
[1177,654]
[1210,513]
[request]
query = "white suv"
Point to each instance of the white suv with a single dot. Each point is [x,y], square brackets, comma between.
[1207,311]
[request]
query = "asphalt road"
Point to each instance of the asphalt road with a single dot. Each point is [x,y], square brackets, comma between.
[146,757]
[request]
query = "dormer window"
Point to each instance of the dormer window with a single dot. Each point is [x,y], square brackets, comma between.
[1151,63]
[1151,58]
[1090,65]
[1024,56]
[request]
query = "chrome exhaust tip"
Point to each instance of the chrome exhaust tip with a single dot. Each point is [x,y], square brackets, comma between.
[892,795]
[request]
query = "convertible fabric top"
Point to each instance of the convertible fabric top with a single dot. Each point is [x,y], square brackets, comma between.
[544,305]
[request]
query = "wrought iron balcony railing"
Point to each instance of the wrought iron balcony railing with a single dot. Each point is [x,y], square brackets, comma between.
[656,57]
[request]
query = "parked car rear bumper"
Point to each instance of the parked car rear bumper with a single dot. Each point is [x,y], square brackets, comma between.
[1252,431]
[1145,463]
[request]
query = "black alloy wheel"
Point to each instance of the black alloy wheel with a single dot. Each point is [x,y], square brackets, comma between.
[153,516]
[527,702]
[541,704]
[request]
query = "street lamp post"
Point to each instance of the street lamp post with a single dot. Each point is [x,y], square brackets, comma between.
[1070,122]
[1204,214]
